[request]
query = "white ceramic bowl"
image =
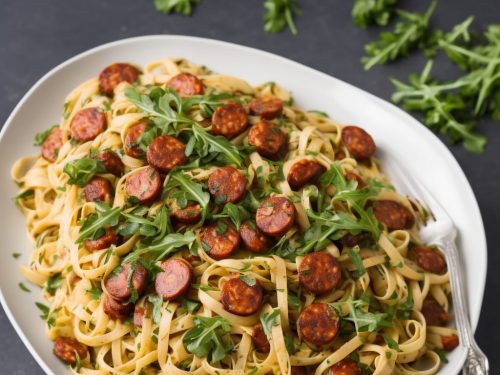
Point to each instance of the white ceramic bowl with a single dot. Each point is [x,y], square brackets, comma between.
[397,135]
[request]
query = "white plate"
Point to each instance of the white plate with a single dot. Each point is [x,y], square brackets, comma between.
[397,135]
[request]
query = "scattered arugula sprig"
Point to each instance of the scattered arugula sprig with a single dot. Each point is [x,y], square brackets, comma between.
[370,12]
[183,7]
[192,190]
[209,337]
[81,171]
[93,225]
[361,317]
[137,223]
[43,135]
[279,14]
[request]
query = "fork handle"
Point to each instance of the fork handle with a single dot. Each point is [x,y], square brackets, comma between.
[476,362]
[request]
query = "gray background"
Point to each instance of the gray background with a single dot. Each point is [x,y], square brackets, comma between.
[36,35]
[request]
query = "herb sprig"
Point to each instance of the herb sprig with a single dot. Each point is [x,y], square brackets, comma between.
[370,12]
[279,14]
[209,337]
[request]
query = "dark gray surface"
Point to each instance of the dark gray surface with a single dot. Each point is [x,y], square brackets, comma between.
[37,35]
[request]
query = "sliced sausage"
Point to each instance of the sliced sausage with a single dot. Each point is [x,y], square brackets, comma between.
[266,108]
[87,124]
[115,73]
[175,279]
[133,137]
[220,240]
[351,176]
[304,172]
[65,348]
[186,84]
[139,313]
[166,152]
[239,298]
[345,367]
[117,284]
[227,184]
[393,215]
[253,238]
[318,324]
[52,144]
[275,216]
[269,140]
[340,155]
[112,162]
[298,370]
[351,240]
[319,273]
[259,339]
[144,184]
[358,142]
[229,120]
[115,309]
[191,214]
[449,342]
[428,259]
[434,313]
[98,189]
[106,240]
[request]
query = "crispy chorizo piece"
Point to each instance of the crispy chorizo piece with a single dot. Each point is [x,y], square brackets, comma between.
[259,339]
[298,370]
[267,109]
[229,120]
[304,172]
[358,142]
[275,216]
[133,137]
[340,155]
[115,309]
[239,298]
[319,273]
[318,324]
[139,313]
[117,284]
[106,240]
[87,124]
[112,162]
[345,367]
[166,152]
[175,279]
[98,189]
[74,278]
[115,73]
[144,184]
[227,184]
[269,140]
[65,348]
[393,215]
[253,238]
[52,144]
[190,214]
[434,313]
[428,259]
[220,240]
[351,240]
[186,84]
[449,342]
[354,177]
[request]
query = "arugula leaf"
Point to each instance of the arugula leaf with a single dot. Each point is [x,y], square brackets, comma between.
[42,136]
[369,12]
[269,321]
[160,249]
[157,302]
[24,288]
[294,302]
[44,309]
[249,280]
[209,337]
[190,306]
[280,13]
[193,190]
[207,103]
[252,371]
[80,171]
[136,223]
[16,255]
[356,259]
[184,7]
[204,287]
[363,320]
[95,293]
[53,283]
[235,212]
[391,343]
[292,347]
[93,225]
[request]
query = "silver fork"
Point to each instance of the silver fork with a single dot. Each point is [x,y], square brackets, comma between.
[442,232]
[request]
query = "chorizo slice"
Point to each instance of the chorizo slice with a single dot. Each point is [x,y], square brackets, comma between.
[434,313]
[52,144]
[186,84]
[429,259]
[267,109]
[304,172]
[351,240]
[227,184]
[318,324]
[190,214]
[115,73]
[345,367]
[239,298]
[229,120]
[139,313]
[117,283]
[358,142]
[275,216]
[144,184]
[269,140]
[220,240]
[112,162]
[319,273]
[351,176]
[174,281]
[449,342]
[254,240]
[166,152]
[259,339]
[98,189]
[393,215]
[106,240]
[65,348]
[298,370]
[87,124]
[133,137]
[115,309]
